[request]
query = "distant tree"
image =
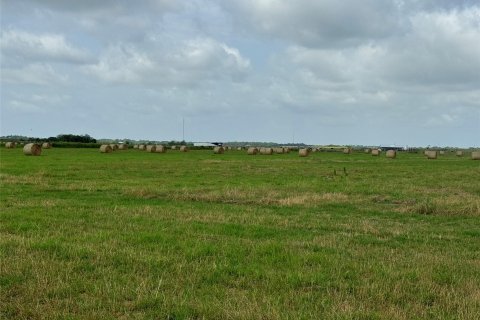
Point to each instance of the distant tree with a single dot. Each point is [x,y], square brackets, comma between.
[76,138]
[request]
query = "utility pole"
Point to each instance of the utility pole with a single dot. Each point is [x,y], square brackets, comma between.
[183,129]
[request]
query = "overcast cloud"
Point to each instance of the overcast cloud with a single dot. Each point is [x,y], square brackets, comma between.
[373,72]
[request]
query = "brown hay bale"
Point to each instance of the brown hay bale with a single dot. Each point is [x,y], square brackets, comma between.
[431,154]
[10,145]
[459,153]
[347,150]
[286,150]
[442,152]
[392,154]
[123,146]
[114,146]
[151,148]
[142,147]
[183,149]
[218,150]
[476,155]
[266,151]
[160,148]
[368,150]
[239,148]
[46,145]
[173,147]
[303,152]
[252,151]
[32,149]
[376,152]
[105,148]
[278,150]
[135,146]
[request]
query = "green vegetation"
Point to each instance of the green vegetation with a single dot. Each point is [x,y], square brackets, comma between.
[194,235]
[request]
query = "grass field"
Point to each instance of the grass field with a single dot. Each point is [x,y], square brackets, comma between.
[132,235]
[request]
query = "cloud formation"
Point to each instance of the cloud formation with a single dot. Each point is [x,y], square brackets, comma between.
[368,72]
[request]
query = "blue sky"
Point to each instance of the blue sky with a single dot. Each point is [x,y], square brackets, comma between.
[371,72]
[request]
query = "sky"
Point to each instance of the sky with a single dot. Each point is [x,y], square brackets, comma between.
[370,72]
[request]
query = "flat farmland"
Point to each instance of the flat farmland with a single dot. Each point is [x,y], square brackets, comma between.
[197,235]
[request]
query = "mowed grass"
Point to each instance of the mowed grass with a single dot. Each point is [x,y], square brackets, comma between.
[132,235]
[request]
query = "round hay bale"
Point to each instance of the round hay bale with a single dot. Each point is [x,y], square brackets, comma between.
[123,146]
[347,150]
[266,151]
[286,150]
[46,145]
[10,145]
[278,150]
[32,149]
[459,153]
[218,150]
[151,148]
[105,148]
[431,154]
[142,147]
[173,147]
[376,152]
[303,152]
[392,154]
[252,151]
[442,152]
[476,155]
[160,148]
[114,146]
[183,149]
[239,148]
[368,150]
[135,146]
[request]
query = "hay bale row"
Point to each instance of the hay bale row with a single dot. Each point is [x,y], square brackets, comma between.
[32,149]
[218,150]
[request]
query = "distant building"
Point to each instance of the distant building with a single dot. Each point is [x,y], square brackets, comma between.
[207,144]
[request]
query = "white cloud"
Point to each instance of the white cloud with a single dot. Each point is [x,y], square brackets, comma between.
[37,73]
[35,47]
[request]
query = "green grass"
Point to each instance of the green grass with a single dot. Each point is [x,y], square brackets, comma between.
[133,235]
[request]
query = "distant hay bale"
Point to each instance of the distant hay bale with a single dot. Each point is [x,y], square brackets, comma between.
[252,151]
[174,147]
[183,149]
[32,149]
[266,151]
[46,145]
[142,147]
[303,152]
[123,146]
[114,146]
[151,148]
[376,152]
[286,150]
[459,153]
[10,145]
[442,152]
[218,150]
[278,150]
[392,154]
[135,146]
[431,154]
[347,150]
[105,148]
[368,150]
[160,148]
[239,148]
[476,155]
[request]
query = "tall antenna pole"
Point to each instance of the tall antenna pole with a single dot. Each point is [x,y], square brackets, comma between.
[183,129]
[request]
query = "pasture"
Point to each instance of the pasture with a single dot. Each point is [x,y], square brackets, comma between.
[198,235]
